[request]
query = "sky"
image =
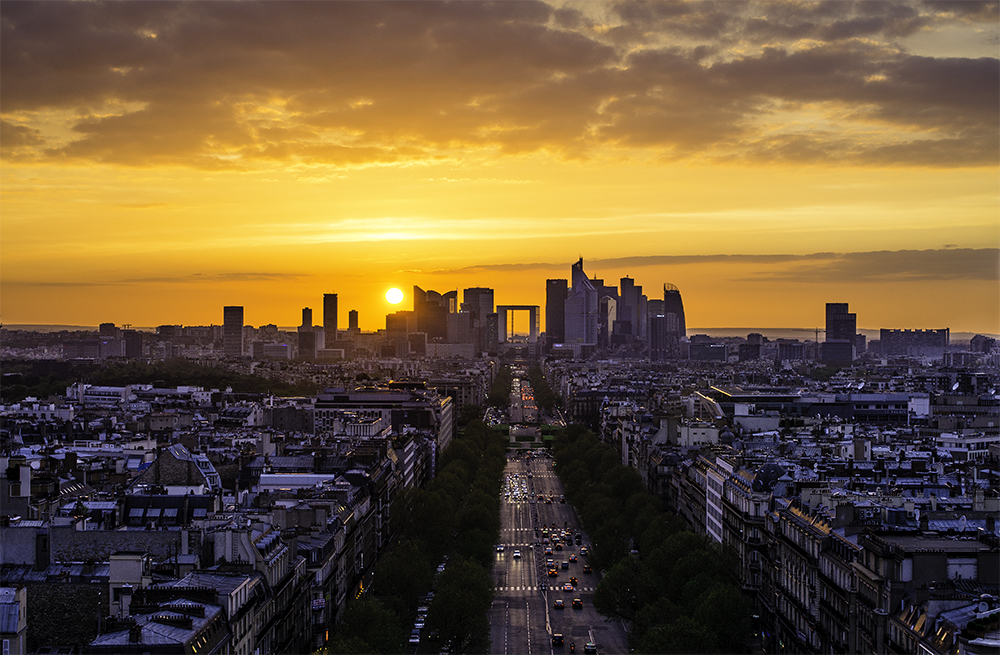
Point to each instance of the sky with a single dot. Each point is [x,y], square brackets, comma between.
[159,161]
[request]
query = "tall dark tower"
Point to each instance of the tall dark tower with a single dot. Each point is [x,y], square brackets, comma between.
[232,331]
[841,334]
[352,321]
[432,309]
[667,326]
[330,317]
[555,311]
[673,309]
[841,325]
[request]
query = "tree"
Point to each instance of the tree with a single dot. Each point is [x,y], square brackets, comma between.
[459,609]
[366,621]
[620,592]
[402,576]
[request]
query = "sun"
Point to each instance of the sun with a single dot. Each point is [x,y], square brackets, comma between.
[394,296]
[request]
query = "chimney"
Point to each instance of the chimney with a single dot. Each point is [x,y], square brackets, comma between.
[135,634]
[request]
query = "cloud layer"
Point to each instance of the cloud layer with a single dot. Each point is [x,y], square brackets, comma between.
[880,266]
[237,85]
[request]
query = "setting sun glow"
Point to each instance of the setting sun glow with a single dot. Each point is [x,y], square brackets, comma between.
[394,296]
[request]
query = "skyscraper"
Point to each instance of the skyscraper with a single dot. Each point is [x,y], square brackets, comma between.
[841,325]
[352,321]
[478,303]
[307,319]
[432,309]
[673,309]
[667,327]
[581,318]
[232,331]
[841,333]
[556,292]
[330,316]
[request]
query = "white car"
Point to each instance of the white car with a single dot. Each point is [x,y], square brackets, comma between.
[517,554]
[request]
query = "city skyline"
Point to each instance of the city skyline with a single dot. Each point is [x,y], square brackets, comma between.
[160,162]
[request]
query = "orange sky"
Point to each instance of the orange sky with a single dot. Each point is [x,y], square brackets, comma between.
[161,160]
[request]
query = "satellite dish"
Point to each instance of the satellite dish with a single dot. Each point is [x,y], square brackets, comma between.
[983,606]
[954,386]
[861,386]
[962,522]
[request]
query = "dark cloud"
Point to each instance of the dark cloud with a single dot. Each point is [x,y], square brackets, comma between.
[950,263]
[895,266]
[225,85]
[13,137]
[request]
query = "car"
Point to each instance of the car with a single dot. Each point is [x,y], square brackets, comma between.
[419,623]
[573,581]
[499,548]
[415,637]
[587,569]
[590,647]
[584,551]
[557,639]
[572,557]
[579,539]
[577,604]
[548,501]
[559,604]
[568,586]
[553,572]
[548,551]
[565,565]
[559,545]
[517,554]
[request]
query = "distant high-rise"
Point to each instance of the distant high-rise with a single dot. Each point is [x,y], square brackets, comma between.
[307,319]
[628,308]
[232,331]
[470,325]
[352,321]
[841,333]
[330,316]
[478,300]
[841,325]
[132,343]
[667,327]
[581,318]
[556,292]
[673,309]
[432,309]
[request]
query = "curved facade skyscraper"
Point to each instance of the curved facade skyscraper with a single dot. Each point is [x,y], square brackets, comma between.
[673,310]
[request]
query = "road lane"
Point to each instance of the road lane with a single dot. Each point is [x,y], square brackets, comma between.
[523,617]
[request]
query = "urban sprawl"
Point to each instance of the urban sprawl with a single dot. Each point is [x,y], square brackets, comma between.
[238,489]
